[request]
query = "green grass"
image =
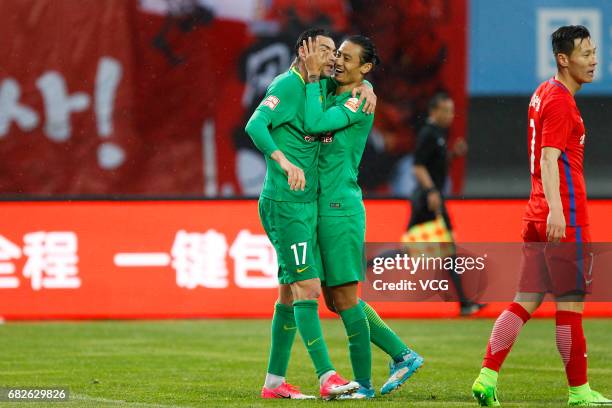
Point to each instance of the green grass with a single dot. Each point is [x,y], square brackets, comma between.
[223,363]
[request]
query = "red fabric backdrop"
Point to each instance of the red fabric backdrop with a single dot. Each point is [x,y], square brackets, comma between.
[104,97]
[153,118]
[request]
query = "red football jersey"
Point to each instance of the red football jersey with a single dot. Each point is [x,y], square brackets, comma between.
[555,121]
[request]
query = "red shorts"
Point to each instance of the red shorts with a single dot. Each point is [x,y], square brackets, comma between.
[561,269]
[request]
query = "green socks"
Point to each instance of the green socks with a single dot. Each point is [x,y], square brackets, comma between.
[358,333]
[283,334]
[382,335]
[308,324]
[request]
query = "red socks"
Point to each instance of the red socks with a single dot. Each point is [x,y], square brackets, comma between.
[572,346]
[570,341]
[505,332]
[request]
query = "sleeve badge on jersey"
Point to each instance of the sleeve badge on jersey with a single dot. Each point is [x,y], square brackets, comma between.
[271,102]
[352,104]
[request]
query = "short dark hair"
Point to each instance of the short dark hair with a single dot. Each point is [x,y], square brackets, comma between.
[311,32]
[438,98]
[563,38]
[368,49]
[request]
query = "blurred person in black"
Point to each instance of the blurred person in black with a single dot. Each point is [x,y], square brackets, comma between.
[431,162]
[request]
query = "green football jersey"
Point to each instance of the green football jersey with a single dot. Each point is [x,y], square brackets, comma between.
[283,111]
[347,128]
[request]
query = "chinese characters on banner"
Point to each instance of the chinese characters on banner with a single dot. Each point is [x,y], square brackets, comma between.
[52,261]
[191,259]
[199,259]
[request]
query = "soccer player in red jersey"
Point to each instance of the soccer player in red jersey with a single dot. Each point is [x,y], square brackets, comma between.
[556,212]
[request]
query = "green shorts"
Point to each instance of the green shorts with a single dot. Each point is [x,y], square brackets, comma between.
[292,229]
[341,240]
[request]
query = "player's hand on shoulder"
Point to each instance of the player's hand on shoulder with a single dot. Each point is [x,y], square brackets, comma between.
[366,93]
[555,226]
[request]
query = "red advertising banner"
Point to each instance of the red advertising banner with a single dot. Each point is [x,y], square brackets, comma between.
[179,259]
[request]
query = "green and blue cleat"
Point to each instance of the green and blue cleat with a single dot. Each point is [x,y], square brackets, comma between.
[361,393]
[400,372]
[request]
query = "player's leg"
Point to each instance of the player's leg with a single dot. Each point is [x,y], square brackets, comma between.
[358,334]
[505,332]
[348,233]
[306,309]
[282,337]
[283,334]
[283,323]
[341,253]
[404,361]
[569,265]
[534,282]
[306,293]
[296,247]
[381,335]
[572,347]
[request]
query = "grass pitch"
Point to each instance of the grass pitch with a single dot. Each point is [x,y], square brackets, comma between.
[223,362]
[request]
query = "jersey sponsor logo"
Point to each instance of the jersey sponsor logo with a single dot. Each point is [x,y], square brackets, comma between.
[582,139]
[271,102]
[300,270]
[309,138]
[352,104]
[327,137]
[335,205]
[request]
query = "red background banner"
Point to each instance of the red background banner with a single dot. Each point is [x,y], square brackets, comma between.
[218,266]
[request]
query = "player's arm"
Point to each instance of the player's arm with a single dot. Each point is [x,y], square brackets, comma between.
[556,128]
[555,223]
[258,129]
[424,151]
[318,121]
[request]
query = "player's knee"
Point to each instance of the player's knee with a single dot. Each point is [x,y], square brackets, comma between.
[312,294]
[307,290]
[570,305]
[344,300]
[529,301]
[285,296]
[529,307]
[330,304]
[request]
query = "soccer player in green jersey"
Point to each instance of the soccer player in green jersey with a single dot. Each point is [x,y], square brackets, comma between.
[341,216]
[288,212]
